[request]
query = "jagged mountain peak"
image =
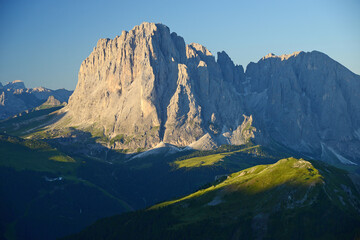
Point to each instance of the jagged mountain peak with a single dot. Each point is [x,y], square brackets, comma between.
[17,81]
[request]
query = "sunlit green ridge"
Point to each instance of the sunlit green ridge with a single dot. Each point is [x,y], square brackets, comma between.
[261,178]
[208,160]
[313,200]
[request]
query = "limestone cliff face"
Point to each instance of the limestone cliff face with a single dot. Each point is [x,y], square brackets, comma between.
[148,85]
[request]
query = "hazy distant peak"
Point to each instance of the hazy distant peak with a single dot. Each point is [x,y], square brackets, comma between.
[15,98]
[40,89]
[17,81]
[282,57]
[17,84]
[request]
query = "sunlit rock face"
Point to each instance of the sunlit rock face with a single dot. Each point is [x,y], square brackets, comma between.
[148,85]
[151,87]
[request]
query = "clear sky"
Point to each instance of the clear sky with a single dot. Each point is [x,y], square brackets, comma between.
[44,42]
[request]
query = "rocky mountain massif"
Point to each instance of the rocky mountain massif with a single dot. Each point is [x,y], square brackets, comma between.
[16,98]
[147,86]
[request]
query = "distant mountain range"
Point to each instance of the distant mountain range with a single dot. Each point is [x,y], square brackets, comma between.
[148,86]
[16,98]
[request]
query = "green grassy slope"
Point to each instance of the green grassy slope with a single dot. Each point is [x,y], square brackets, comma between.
[116,182]
[291,199]
[41,194]
[103,184]
[34,155]
[234,157]
[28,122]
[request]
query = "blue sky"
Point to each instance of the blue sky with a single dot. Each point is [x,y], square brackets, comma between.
[44,42]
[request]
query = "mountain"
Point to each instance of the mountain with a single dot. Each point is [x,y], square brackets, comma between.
[147,86]
[291,199]
[16,98]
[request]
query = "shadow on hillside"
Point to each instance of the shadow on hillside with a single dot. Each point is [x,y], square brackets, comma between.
[80,143]
[30,121]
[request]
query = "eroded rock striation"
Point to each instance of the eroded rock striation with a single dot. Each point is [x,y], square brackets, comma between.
[148,87]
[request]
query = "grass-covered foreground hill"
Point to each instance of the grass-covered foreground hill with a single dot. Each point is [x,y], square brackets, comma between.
[291,199]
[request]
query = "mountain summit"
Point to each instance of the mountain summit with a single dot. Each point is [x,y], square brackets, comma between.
[147,86]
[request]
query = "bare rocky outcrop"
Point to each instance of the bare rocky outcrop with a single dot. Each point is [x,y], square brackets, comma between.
[148,85]
[51,101]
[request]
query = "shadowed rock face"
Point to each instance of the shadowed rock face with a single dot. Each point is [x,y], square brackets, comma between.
[306,101]
[148,85]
